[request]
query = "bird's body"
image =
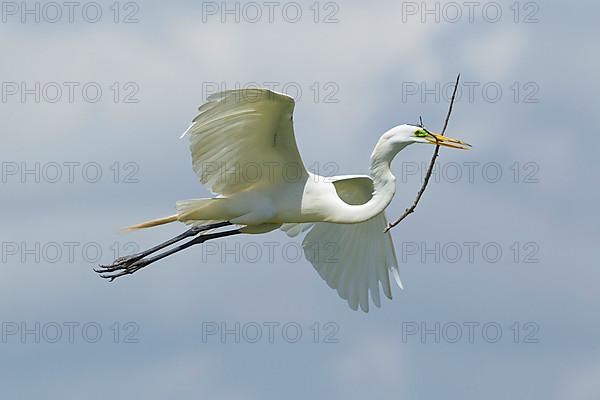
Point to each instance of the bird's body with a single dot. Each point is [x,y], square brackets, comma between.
[243,147]
[313,199]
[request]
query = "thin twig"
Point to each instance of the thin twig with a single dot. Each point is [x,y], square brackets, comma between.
[411,209]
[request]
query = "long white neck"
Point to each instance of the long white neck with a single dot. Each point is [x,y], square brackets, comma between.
[384,185]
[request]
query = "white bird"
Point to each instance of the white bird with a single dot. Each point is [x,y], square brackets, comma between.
[243,148]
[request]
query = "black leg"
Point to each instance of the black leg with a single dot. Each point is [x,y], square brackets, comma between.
[193,231]
[117,270]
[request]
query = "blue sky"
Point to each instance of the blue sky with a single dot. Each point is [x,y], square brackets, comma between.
[356,77]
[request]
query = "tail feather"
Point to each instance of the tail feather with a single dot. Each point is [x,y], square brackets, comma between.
[202,211]
[154,222]
[190,212]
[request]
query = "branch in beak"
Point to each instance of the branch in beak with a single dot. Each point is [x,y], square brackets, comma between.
[446,141]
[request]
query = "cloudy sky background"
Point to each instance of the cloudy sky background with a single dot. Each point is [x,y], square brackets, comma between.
[370,57]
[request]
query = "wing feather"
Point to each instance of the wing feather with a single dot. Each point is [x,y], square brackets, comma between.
[364,255]
[241,129]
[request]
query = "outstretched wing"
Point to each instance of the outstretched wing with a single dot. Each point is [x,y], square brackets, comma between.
[353,259]
[243,138]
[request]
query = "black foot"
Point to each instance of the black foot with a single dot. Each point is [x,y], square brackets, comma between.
[121,267]
[128,265]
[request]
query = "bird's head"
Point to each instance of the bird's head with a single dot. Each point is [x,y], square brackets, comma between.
[403,135]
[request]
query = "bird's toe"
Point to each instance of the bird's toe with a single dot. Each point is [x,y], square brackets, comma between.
[117,270]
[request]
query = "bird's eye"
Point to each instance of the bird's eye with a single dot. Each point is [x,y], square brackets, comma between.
[421,133]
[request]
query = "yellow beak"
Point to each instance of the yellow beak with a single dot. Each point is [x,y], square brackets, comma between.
[447,141]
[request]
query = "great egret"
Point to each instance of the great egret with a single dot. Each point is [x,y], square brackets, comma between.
[253,127]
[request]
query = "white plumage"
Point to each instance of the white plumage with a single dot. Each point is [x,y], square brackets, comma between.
[243,147]
[354,259]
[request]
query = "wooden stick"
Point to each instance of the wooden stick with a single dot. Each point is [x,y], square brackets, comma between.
[411,209]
